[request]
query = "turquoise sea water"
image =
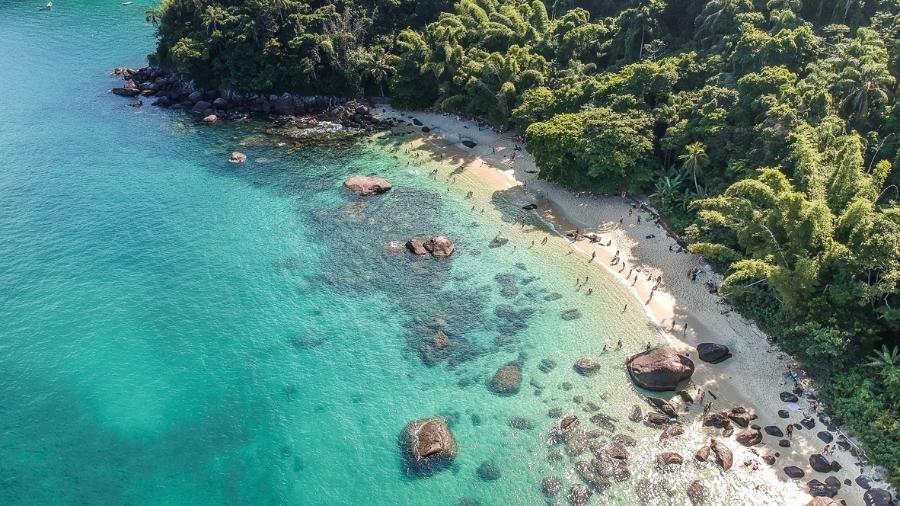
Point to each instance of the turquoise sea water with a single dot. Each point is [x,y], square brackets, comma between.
[175,329]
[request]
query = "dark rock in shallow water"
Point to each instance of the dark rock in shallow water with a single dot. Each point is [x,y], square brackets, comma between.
[552,296]
[749,437]
[788,397]
[819,463]
[671,431]
[546,365]
[440,246]
[773,431]
[507,379]
[469,144]
[818,489]
[825,436]
[655,419]
[550,486]
[636,415]
[863,482]
[713,353]
[570,314]
[663,405]
[782,413]
[877,497]
[430,445]
[521,423]
[660,369]
[488,471]
[794,472]
[697,493]
[808,422]
[586,366]
[666,459]
[579,494]
[498,241]
[784,443]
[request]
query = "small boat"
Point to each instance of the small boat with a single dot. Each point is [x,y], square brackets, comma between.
[127,3]
[46,7]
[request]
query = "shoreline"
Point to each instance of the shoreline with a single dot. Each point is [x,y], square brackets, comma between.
[684,312]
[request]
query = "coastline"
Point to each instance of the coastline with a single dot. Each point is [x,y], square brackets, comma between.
[754,377]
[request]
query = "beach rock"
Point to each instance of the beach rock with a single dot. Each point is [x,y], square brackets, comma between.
[550,486]
[614,451]
[702,455]
[783,413]
[590,476]
[210,118]
[784,443]
[717,419]
[721,454]
[415,245]
[877,497]
[823,501]
[825,436]
[808,422]
[586,366]
[819,463]
[671,431]
[430,444]
[697,493]
[440,246]
[863,482]
[788,397]
[741,417]
[666,459]
[768,459]
[818,489]
[367,185]
[604,422]
[195,96]
[425,129]
[663,406]
[749,437]
[579,494]
[488,471]
[237,157]
[655,419]
[611,468]
[636,415]
[713,353]
[794,472]
[659,369]
[773,431]
[201,107]
[507,379]
[220,103]
[835,466]
[624,440]
[126,92]
[469,144]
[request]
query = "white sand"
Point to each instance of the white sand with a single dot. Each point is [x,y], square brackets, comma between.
[753,377]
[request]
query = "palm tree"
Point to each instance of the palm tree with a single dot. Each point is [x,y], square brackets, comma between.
[694,160]
[153,15]
[865,85]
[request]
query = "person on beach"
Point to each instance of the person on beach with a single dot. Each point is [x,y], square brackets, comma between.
[639,219]
[605,348]
[621,220]
[532,243]
[790,430]
[619,344]
[577,281]
[590,291]
[685,330]
[544,241]
[625,308]
[593,256]
[648,345]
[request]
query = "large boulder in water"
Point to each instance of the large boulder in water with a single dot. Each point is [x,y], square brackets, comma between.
[713,353]
[507,380]
[660,369]
[440,246]
[430,445]
[877,497]
[367,185]
[586,366]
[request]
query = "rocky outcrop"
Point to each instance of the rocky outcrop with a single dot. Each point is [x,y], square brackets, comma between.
[749,437]
[367,185]
[819,463]
[440,246]
[429,444]
[237,157]
[794,472]
[666,459]
[721,454]
[170,91]
[713,353]
[877,497]
[507,380]
[660,369]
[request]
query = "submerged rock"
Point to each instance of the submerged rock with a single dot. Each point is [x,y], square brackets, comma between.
[430,445]
[237,157]
[550,486]
[507,380]
[660,369]
[666,459]
[367,185]
[488,471]
[697,493]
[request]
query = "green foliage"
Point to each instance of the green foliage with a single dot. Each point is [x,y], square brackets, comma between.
[769,131]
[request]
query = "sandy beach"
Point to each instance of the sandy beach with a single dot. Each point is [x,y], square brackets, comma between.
[684,310]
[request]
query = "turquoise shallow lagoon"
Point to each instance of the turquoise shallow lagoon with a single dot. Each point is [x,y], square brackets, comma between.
[175,329]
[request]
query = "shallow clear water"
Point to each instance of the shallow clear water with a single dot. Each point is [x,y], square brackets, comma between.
[175,329]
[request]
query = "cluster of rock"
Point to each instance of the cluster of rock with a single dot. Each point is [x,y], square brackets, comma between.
[439,246]
[212,105]
[367,185]
[429,445]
